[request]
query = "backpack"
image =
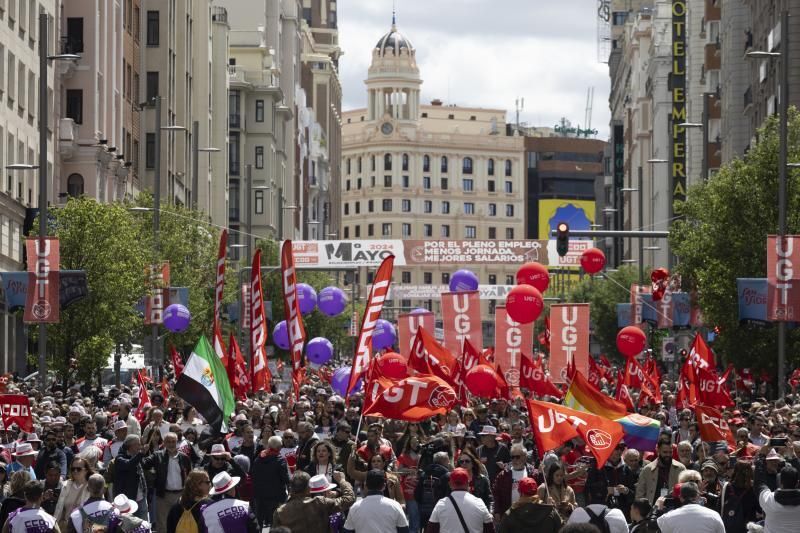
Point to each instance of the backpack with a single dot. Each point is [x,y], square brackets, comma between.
[88,522]
[598,520]
[431,490]
[187,523]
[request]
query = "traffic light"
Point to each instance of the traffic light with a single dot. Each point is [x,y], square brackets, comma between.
[562,238]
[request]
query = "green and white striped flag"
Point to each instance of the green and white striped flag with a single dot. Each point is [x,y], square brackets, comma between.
[204,385]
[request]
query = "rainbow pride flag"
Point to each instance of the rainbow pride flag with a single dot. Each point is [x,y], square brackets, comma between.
[640,432]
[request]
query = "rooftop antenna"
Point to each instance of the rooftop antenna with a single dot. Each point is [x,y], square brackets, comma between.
[394,15]
[519,105]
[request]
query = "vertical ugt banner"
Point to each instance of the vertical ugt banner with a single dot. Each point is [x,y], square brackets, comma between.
[569,339]
[42,304]
[783,278]
[158,300]
[461,320]
[511,340]
[407,326]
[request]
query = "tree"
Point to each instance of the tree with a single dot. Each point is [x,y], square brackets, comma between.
[722,236]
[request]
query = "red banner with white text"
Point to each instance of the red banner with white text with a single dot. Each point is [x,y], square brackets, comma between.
[259,372]
[783,278]
[569,341]
[158,299]
[16,409]
[42,303]
[220,283]
[407,326]
[461,319]
[291,309]
[411,399]
[511,340]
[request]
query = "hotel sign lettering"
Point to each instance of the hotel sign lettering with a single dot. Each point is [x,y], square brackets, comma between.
[678,133]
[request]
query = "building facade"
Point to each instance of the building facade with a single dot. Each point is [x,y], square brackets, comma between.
[428,172]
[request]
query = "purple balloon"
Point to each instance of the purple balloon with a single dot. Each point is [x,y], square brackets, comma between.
[384,335]
[419,311]
[340,379]
[319,350]
[307,297]
[332,301]
[176,318]
[280,335]
[463,280]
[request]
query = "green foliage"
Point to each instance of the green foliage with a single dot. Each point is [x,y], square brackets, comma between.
[723,237]
[92,354]
[604,295]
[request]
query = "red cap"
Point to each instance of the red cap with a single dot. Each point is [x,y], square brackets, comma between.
[459,477]
[676,491]
[527,486]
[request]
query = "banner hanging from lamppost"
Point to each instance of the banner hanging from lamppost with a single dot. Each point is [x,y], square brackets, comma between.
[42,302]
[783,278]
[158,299]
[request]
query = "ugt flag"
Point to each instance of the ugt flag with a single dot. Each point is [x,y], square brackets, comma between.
[204,385]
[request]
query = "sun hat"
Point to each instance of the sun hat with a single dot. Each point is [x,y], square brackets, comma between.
[124,505]
[320,484]
[223,482]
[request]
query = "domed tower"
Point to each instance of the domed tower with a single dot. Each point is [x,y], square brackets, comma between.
[393,81]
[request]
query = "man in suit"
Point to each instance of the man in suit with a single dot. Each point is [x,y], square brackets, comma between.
[171,467]
[658,477]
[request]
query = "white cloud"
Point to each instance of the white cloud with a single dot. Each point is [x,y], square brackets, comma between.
[487,53]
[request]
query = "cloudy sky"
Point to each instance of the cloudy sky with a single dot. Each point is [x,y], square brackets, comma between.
[487,53]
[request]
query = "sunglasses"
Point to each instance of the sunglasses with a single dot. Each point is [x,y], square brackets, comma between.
[464,461]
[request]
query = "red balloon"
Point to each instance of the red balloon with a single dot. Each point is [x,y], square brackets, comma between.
[593,260]
[393,365]
[631,341]
[524,303]
[481,381]
[534,274]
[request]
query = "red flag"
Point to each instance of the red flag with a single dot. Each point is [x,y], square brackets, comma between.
[16,409]
[220,283]
[470,358]
[407,325]
[411,399]
[555,424]
[687,391]
[623,394]
[710,390]
[291,309]
[219,345]
[177,363]
[595,374]
[533,378]
[544,336]
[165,389]
[701,355]
[259,372]
[712,425]
[634,373]
[430,357]
[230,367]
[745,380]
[372,312]
[237,370]
[503,390]
[794,379]
[144,397]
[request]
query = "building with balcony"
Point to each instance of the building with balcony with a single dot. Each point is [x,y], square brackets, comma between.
[19,144]
[428,172]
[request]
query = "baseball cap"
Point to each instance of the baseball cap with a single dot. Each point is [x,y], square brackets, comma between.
[527,486]
[459,477]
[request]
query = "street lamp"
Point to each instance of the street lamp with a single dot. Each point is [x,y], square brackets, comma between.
[21,166]
[196,160]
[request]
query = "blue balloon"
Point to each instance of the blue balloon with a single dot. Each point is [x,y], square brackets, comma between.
[177,318]
[307,297]
[280,335]
[331,301]
[384,335]
[340,379]
[319,350]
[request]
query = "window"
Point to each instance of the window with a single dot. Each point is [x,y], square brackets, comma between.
[509,233]
[234,161]
[444,164]
[152,28]
[75,185]
[370,230]
[259,203]
[74,105]
[358,208]
[406,206]
[260,118]
[358,184]
[492,279]
[346,208]
[445,277]
[490,167]
[372,163]
[387,205]
[492,210]
[470,232]
[347,165]
[427,278]
[259,157]
[467,165]
[445,231]
[387,181]
[508,167]
[427,206]
[387,162]
[405,162]
[359,165]
[509,279]
[150,151]
[443,184]
[406,230]
[509,187]
[405,182]
[426,183]
[469,208]
[445,207]
[372,181]
[426,163]
[386,229]
[347,185]
[490,185]
[371,206]
[468,184]
[347,232]
[75,35]
[151,91]
[492,233]
[405,276]
[509,210]
[427,230]
[357,232]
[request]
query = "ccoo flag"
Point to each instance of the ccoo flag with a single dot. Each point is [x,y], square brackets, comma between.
[204,385]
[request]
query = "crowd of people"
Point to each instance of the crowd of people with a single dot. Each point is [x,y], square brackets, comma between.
[94,461]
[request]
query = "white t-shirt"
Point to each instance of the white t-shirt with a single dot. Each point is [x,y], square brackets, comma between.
[94,509]
[516,477]
[693,518]
[26,520]
[472,509]
[614,518]
[376,514]
[85,442]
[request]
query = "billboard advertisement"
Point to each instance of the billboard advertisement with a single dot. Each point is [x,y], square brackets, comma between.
[579,214]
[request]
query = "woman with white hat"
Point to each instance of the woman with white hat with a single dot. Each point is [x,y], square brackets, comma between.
[226,513]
